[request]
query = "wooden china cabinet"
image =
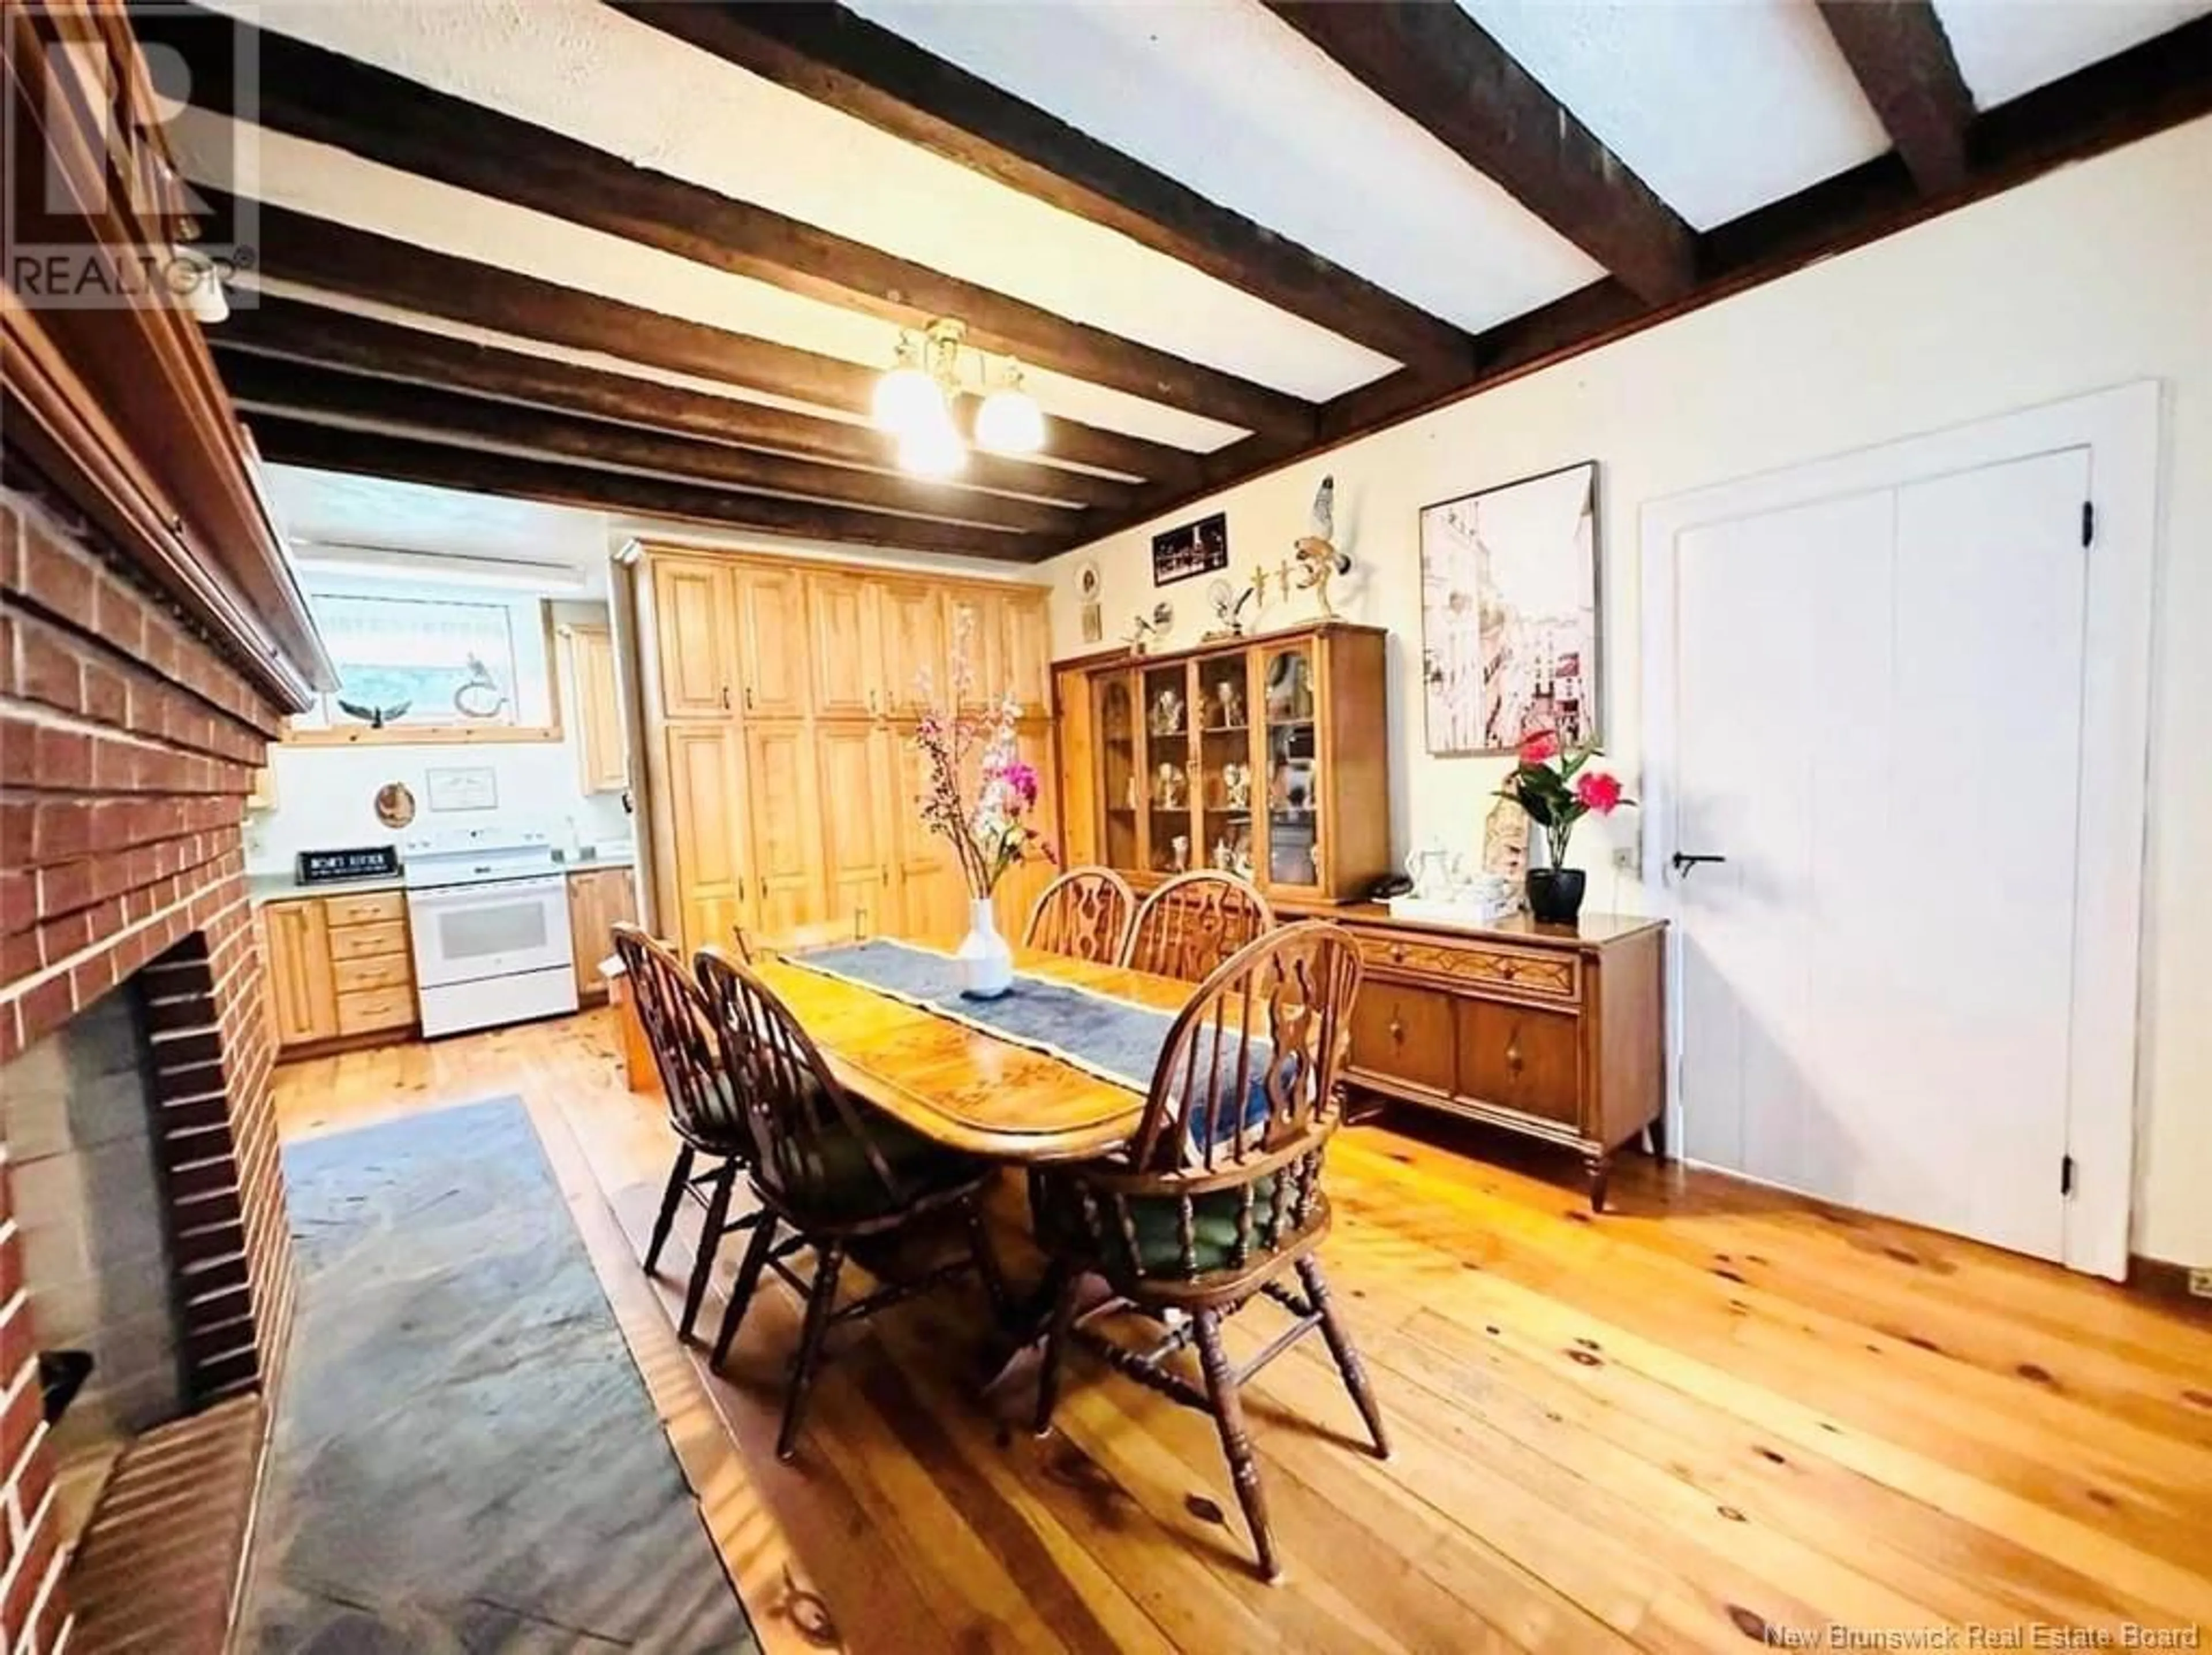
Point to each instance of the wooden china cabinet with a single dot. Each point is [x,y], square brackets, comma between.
[1264,756]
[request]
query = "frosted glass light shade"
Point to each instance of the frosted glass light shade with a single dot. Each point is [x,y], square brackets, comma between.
[932,448]
[906,399]
[1010,422]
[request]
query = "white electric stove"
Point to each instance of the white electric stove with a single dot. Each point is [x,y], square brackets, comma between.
[488,908]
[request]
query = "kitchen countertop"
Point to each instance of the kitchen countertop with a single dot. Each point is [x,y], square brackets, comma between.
[285,887]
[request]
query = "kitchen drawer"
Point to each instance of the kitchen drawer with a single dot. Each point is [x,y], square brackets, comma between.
[368,941]
[1403,1034]
[1521,1058]
[369,908]
[384,972]
[366,1009]
[1484,965]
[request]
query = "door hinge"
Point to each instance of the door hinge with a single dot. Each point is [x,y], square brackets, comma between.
[2065,1175]
[2088,521]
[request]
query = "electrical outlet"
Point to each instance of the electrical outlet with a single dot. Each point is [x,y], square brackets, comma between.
[2200,1283]
[1625,860]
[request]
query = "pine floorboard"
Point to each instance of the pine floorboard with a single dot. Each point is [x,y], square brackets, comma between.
[1714,1415]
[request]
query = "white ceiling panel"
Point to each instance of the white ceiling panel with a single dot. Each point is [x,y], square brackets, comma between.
[334,508]
[2006,47]
[1719,108]
[1232,102]
[578,67]
[332,184]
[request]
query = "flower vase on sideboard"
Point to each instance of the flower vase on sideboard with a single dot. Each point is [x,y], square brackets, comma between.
[1555,894]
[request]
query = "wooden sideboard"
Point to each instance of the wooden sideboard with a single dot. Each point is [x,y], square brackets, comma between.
[1554,1032]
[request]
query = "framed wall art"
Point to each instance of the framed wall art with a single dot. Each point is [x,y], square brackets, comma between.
[463,786]
[1509,641]
[1199,548]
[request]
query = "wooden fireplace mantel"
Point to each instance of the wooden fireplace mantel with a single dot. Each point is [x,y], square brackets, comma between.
[119,408]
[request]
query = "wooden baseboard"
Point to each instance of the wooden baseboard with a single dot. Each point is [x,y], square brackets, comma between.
[2162,1279]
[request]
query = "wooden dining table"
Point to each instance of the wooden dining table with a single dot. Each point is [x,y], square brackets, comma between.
[963,1087]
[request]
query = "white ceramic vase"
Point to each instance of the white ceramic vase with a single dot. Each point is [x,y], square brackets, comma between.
[987,964]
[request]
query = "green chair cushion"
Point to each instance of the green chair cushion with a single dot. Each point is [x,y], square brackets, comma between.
[1158,1227]
[840,1184]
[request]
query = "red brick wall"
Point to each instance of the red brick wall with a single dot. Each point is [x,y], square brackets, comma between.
[127,748]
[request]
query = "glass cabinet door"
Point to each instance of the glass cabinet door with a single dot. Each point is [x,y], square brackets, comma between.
[1167,834]
[1120,789]
[1226,780]
[1293,756]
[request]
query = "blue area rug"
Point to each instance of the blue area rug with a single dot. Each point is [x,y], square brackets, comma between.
[466,1458]
[1112,1038]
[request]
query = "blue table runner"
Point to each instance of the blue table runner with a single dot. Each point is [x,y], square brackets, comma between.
[1116,1040]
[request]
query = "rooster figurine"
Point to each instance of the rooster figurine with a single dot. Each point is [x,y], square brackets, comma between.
[1319,562]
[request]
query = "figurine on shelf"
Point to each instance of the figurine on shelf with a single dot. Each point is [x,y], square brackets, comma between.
[1179,847]
[1168,794]
[1319,562]
[1231,701]
[1167,712]
[1228,610]
[1224,859]
[1236,785]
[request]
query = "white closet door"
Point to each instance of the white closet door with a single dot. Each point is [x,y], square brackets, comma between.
[1878,708]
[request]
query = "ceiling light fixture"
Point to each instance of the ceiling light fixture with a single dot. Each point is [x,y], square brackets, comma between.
[915,400]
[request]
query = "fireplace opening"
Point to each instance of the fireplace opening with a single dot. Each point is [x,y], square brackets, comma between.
[92,1214]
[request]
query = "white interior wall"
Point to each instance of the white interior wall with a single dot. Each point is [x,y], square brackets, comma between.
[2091,276]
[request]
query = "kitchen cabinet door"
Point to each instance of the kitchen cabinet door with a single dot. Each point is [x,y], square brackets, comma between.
[302,992]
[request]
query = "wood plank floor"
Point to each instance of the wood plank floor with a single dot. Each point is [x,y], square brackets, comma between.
[1717,1414]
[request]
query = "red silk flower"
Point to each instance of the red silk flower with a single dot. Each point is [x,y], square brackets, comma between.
[1540,746]
[1597,791]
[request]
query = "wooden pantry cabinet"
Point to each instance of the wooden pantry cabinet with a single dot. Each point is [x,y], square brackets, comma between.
[779,705]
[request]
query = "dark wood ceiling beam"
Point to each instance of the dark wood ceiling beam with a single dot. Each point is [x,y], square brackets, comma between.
[835,56]
[1442,70]
[360,264]
[2158,84]
[320,96]
[272,385]
[1902,59]
[288,442]
[292,330]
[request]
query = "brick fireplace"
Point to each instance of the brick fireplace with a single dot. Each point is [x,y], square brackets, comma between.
[128,741]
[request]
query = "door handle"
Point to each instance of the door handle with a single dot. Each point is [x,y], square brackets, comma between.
[725,697]
[1684,863]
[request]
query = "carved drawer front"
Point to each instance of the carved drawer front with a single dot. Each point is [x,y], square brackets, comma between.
[388,972]
[368,941]
[366,909]
[1478,966]
[1521,1058]
[1404,1034]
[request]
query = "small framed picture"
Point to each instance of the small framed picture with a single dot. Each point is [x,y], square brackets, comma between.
[1196,549]
[1510,642]
[462,787]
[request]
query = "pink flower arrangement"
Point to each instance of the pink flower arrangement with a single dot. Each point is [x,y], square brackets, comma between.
[987,831]
[1551,783]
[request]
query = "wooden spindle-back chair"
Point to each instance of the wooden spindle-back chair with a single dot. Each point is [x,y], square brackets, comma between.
[702,1109]
[1084,914]
[828,1167]
[1218,1197]
[1193,921]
